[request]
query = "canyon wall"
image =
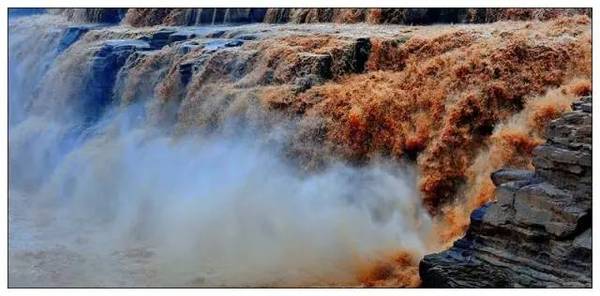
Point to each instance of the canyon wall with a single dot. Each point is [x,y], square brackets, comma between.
[538,231]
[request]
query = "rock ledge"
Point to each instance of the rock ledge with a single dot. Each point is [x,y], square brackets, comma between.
[538,232]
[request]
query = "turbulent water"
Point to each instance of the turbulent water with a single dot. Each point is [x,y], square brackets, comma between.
[100,195]
[267,155]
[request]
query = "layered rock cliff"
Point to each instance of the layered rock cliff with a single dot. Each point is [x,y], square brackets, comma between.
[538,232]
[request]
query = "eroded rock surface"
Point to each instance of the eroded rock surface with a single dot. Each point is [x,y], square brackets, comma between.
[538,231]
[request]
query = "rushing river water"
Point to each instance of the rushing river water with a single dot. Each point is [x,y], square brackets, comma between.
[99,196]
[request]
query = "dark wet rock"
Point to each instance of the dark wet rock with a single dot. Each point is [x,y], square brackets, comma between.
[538,231]
[234,43]
[547,206]
[185,72]
[160,38]
[105,65]
[166,36]
[351,59]
[247,37]
[566,159]
[209,47]
[216,34]
[181,36]
[216,44]
[585,104]
[72,34]
[508,175]
[108,15]
[362,48]
[425,16]
[191,66]
[314,64]
[244,15]
[188,46]
[306,82]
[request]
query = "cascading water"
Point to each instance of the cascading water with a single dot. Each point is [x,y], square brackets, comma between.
[104,191]
[268,155]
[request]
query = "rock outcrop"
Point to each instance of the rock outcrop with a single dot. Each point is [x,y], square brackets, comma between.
[105,64]
[538,231]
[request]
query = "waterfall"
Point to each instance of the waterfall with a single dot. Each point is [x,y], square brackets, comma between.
[111,193]
[173,149]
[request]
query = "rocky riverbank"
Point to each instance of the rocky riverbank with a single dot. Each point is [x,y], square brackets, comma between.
[538,231]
